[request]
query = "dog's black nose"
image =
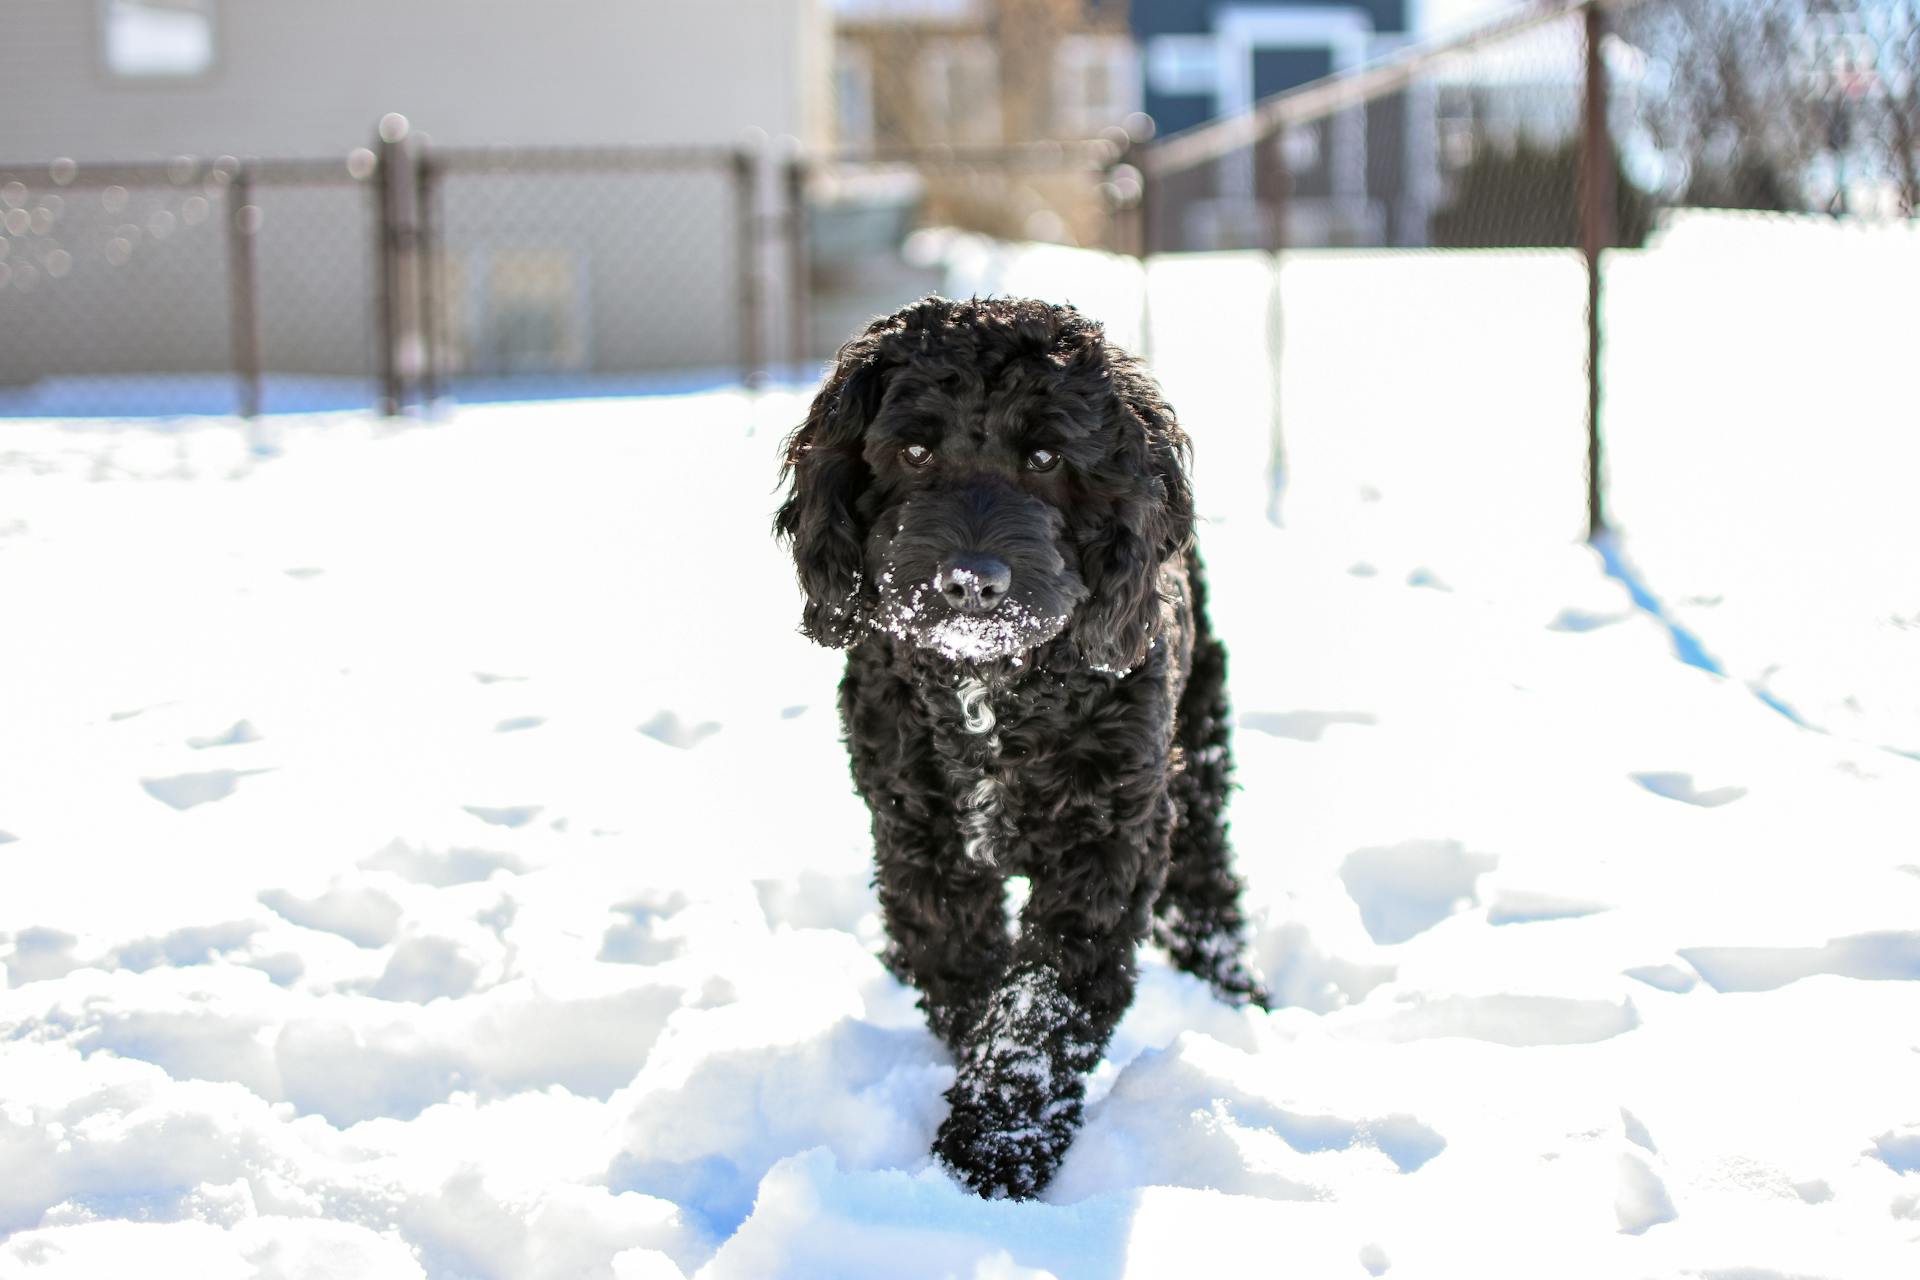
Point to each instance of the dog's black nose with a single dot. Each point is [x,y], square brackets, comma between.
[973,583]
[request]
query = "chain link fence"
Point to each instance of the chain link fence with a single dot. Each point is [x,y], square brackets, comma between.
[588,272]
[186,287]
[386,278]
[1547,219]
[1453,212]
[404,274]
[115,288]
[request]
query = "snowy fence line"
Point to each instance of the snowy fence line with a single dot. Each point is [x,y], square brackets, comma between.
[379,278]
[403,272]
[1580,125]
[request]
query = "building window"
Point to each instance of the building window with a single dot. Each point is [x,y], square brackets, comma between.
[1183,66]
[534,312]
[158,39]
[960,87]
[853,94]
[1097,84]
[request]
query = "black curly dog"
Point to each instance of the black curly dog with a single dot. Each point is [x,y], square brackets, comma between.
[989,510]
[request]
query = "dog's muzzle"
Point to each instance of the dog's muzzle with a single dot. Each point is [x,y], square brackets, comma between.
[975,572]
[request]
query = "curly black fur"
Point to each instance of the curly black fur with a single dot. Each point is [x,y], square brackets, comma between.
[1076,734]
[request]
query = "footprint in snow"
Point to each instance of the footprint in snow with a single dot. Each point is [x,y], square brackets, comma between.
[116,717]
[1665,977]
[515,724]
[1518,1021]
[1405,889]
[1900,1152]
[1641,1200]
[670,729]
[185,790]
[1579,620]
[7,837]
[1886,956]
[362,915]
[196,944]
[1305,726]
[422,970]
[1532,906]
[241,732]
[441,868]
[516,815]
[40,953]
[638,939]
[1680,786]
[304,572]
[489,677]
[1637,1132]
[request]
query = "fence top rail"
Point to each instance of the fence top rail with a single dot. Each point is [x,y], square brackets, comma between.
[357,167]
[1344,90]
[184,171]
[613,159]
[1076,153]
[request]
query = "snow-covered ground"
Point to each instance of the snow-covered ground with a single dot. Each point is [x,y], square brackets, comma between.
[428,850]
[1760,422]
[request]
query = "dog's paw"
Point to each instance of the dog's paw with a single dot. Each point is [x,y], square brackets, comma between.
[1007,1149]
[1217,955]
[1017,1099]
[1242,986]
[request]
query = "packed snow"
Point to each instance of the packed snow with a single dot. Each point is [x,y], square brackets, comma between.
[427,851]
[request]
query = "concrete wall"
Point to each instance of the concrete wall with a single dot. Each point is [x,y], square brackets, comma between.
[300,79]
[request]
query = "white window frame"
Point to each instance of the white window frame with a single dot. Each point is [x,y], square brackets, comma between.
[853,67]
[1075,113]
[483,312]
[209,10]
[938,62]
[1181,66]
[1346,33]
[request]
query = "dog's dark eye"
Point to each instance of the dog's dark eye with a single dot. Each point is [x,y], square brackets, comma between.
[1042,460]
[916,455]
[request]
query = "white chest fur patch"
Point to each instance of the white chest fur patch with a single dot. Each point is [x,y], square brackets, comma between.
[983,804]
[982,814]
[976,713]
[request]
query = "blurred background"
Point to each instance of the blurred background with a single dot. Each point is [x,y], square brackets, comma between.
[217,207]
[426,844]
[1539,269]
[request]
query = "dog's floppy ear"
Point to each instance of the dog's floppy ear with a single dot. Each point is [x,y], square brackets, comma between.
[825,475]
[1151,520]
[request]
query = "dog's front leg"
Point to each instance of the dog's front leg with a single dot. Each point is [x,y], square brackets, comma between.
[1017,1099]
[946,921]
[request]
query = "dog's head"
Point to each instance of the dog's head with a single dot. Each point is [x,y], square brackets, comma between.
[980,477]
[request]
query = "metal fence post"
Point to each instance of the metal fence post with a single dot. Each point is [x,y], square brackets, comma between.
[1273,185]
[426,267]
[243,220]
[1152,213]
[1150,205]
[799,266]
[1597,201]
[396,229]
[746,173]
[386,260]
